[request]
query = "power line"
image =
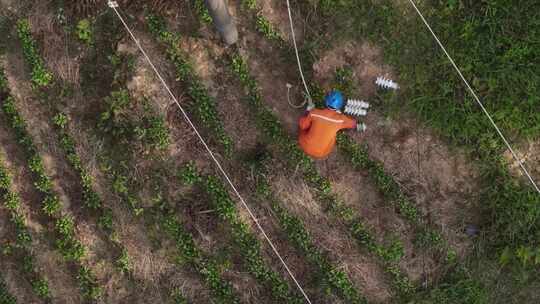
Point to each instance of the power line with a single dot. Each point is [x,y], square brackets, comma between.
[297,55]
[114,6]
[477,99]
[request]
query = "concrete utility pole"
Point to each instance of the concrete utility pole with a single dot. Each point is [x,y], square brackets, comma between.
[223,20]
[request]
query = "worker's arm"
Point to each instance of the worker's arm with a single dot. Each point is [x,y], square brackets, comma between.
[349,123]
[305,122]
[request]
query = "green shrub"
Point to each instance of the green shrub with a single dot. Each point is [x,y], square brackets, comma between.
[5,295]
[458,290]
[41,288]
[105,221]
[11,201]
[267,29]
[84,31]
[60,120]
[247,242]
[249,4]
[88,284]
[188,174]
[202,11]
[3,81]
[123,263]
[41,77]
[114,119]
[5,179]
[154,132]
[221,290]
[51,205]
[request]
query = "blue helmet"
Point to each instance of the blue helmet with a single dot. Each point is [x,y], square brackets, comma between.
[334,100]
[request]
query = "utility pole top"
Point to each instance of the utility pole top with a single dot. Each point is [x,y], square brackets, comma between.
[223,21]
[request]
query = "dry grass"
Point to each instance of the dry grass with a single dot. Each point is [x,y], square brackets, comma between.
[365,60]
[46,27]
[89,8]
[440,180]
[529,154]
[50,263]
[330,236]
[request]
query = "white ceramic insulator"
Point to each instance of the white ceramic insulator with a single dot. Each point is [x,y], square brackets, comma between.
[386,83]
[355,111]
[361,127]
[357,103]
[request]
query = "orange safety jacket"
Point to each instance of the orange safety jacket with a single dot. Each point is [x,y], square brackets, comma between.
[318,131]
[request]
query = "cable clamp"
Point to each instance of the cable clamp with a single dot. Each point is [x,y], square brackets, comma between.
[112,4]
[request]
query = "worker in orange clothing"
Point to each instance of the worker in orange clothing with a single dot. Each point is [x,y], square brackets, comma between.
[319,127]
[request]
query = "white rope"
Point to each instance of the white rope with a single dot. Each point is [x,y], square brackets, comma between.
[188,120]
[310,102]
[477,99]
[298,106]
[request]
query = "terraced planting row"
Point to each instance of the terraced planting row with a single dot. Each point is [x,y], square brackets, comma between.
[64,228]
[161,215]
[115,128]
[239,66]
[90,198]
[358,156]
[341,289]
[444,106]
[20,248]
[335,277]
[295,157]
[242,236]
[164,226]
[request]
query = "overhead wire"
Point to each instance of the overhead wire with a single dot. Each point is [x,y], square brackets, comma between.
[308,95]
[114,6]
[501,135]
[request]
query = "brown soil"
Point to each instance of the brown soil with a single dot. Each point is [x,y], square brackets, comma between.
[55,51]
[12,275]
[51,265]
[448,178]
[153,269]
[441,181]
[276,13]
[230,106]
[65,180]
[331,236]
[207,235]
[270,74]
[10,6]
[363,58]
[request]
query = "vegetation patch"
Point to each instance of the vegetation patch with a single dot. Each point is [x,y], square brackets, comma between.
[41,77]
[299,236]
[248,244]
[203,106]
[270,126]
[21,248]
[5,296]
